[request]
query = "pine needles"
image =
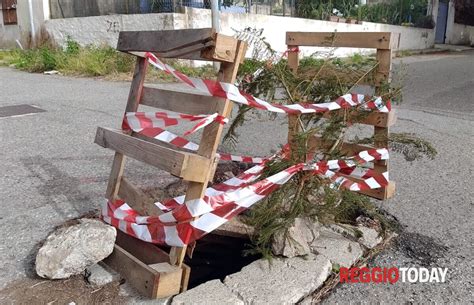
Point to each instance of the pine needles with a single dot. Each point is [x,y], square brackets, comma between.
[320,79]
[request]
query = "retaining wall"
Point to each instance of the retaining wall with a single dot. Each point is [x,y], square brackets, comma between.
[105,29]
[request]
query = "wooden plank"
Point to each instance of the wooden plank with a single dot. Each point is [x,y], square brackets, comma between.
[138,274]
[185,277]
[146,252]
[162,41]
[133,101]
[293,120]
[149,254]
[379,119]
[170,279]
[372,40]
[374,118]
[381,134]
[210,141]
[224,49]
[178,101]
[161,143]
[185,165]
[137,199]
[190,52]
[348,149]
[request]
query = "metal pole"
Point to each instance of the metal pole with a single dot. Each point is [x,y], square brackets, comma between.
[216,24]
[32,22]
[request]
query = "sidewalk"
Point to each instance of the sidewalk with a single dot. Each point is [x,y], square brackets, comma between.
[438,48]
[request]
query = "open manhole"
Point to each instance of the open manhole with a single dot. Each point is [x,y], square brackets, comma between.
[19,110]
[217,256]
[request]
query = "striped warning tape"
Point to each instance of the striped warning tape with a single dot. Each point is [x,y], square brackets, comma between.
[183,222]
[223,201]
[152,124]
[233,93]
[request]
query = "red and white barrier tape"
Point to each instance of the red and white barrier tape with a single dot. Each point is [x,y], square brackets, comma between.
[178,226]
[233,93]
[183,222]
[152,124]
[139,121]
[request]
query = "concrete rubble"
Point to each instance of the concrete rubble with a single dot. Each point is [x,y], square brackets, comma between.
[100,275]
[337,248]
[280,281]
[289,280]
[370,237]
[210,293]
[297,239]
[70,250]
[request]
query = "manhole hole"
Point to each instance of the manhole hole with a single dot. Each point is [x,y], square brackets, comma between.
[216,256]
[19,110]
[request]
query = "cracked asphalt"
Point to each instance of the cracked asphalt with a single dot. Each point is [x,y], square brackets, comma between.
[51,171]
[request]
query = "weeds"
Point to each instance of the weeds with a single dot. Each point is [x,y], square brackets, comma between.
[92,61]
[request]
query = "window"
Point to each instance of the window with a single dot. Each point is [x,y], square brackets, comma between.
[9,11]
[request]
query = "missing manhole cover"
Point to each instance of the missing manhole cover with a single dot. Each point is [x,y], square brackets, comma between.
[18,110]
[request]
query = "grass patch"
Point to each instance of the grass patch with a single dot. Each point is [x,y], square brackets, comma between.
[91,61]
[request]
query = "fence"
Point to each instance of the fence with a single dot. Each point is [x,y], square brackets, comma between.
[70,8]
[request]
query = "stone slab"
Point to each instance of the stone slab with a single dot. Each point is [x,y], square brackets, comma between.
[370,237]
[337,248]
[210,293]
[281,281]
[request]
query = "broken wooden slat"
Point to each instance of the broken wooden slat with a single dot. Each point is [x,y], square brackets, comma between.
[193,102]
[132,106]
[137,199]
[197,44]
[149,254]
[371,40]
[162,41]
[181,164]
[138,274]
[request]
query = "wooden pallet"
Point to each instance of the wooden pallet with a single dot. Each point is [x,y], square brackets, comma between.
[152,271]
[384,43]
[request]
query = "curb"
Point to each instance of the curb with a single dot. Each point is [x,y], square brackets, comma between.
[408,53]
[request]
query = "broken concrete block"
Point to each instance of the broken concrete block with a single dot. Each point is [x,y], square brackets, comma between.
[370,237]
[69,250]
[280,281]
[297,239]
[209,293]
[344,229]
[336,248]
[100,275]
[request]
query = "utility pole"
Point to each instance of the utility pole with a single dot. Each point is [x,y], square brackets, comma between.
[216,22]
[32,23]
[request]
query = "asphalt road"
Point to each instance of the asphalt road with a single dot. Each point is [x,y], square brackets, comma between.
[51,171]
